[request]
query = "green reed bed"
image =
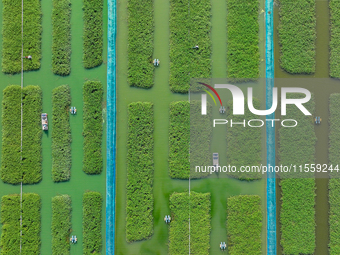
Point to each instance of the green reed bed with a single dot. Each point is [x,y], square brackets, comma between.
[297,35]
[11,145]
[244,225]
[10,233]
[32,135]
[244,144]
[92,220]
[243,55]
[334,182]
[12,38]
[61,133]
[93,127]
[297,214]
[93,33]
[61,224]
[31,223]
[186,61]
[25,166]
[140,43]
[200,226]
[334,45]
[61,37]
[140,169]
[179,138]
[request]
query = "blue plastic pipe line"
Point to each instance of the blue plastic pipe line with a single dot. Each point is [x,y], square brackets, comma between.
[270,132]
[111,129]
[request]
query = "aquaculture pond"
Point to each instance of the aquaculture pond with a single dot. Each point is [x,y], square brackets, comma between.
[161,97]
[44,77]
[322,87]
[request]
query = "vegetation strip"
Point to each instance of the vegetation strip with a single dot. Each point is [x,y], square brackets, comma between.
[92,221]
[244,143]
[334,182]
[61,37]
[140,43]
[32,134]
[61,224]
[12,40]
[243,55]
[244,225]
[200,226]
[31,222]
[30,168]
[297,215]
[187,61]
[61,134]
[140,169]
[297,35]
[179,139]
[11,135]
[10,233]
[200,139]
[334,59]
[93,33]
[93,127]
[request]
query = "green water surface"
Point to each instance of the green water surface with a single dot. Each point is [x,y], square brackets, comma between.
[161,96]
[80,182]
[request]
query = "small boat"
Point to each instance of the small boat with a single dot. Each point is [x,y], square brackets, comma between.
[223,246]
[156,62]
[44,121]
[317,120]
[167,218]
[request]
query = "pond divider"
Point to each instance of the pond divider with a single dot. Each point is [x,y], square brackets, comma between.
[270,131]
[111,128]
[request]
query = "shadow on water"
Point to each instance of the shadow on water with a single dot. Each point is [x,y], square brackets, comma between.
[322,88]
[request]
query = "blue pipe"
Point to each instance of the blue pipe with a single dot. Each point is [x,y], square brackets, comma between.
[270,132]
[111,129]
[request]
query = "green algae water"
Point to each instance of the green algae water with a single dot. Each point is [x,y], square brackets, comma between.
[161,96]
[80,182]
[321,91]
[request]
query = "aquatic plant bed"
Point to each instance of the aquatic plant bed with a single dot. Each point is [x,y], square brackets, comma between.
[297,35]
[244,144]
[93,127]
[61,134]
[61,224]
[189,26]
[179,138]
[93,33]
[61,37]
[140,169]
[200,138]
[199,223]
[334,183]
[243,55]
[32,134]
[10,234]
[13,169]
[244,225]
[334,45]
[297,215]
[10,215]
[11,30]
[11,145]
[140,43]
[92,218]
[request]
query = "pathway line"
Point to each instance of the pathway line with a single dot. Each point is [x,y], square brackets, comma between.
[111,129]
[22,85]
[270,132]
